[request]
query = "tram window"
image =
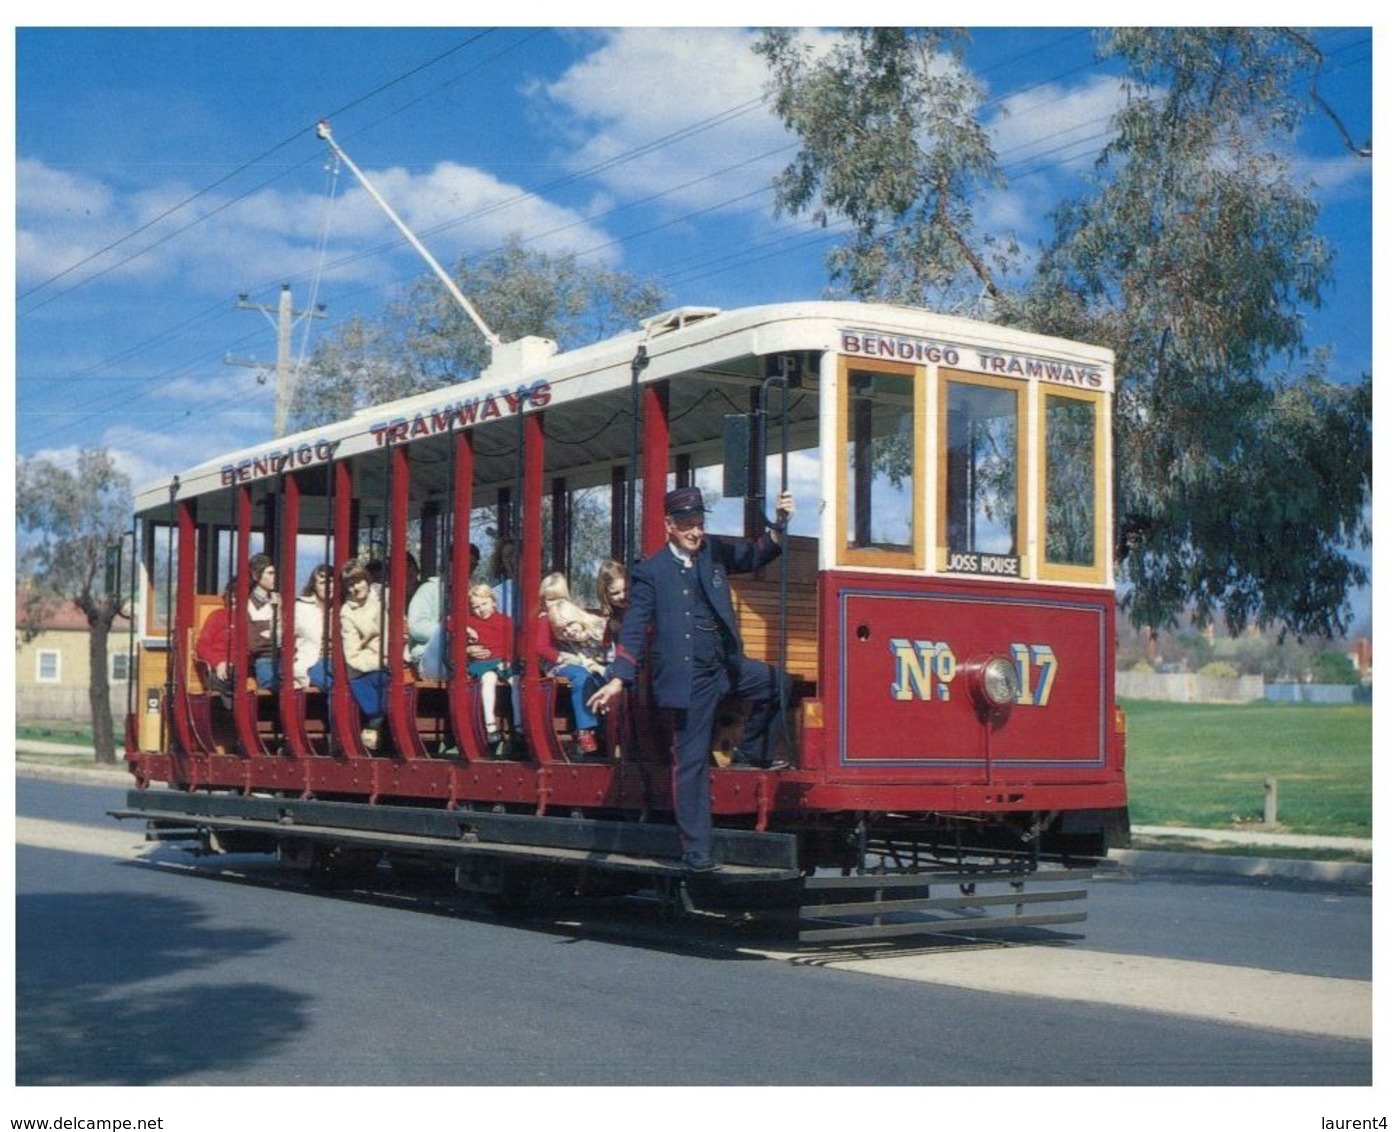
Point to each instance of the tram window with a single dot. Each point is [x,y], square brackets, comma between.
[162,561]
[982,473]
[1068,513]
[881,468]
[1074,486]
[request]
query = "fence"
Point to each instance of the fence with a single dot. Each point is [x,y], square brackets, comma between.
[1189,687]
[1317,693]
[39,705]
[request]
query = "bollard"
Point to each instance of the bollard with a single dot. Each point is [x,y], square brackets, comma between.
[1270,801]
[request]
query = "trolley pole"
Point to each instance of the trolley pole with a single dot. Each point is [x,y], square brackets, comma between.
[286,373]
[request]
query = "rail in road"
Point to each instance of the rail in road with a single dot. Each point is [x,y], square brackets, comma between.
[1242,996]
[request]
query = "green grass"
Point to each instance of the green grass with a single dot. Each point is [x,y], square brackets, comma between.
[72,735]
[1203,765]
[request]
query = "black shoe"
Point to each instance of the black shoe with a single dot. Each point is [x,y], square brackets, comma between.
[743,762]
[698,862]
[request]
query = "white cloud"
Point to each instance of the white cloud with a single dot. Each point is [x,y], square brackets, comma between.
[456,207]
[226,244]
[645,84]
[149,455]
[1055,127]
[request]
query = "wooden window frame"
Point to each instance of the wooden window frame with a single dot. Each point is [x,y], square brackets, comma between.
[1023,425]
[1049,571]
[915,558]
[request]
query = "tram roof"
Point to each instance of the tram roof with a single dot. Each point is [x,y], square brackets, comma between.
[681,341]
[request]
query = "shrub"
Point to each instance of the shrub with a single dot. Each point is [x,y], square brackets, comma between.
[1334,668]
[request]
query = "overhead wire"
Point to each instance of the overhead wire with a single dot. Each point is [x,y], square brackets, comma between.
[796,238]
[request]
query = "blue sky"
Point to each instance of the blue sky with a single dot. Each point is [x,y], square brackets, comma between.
[162,172]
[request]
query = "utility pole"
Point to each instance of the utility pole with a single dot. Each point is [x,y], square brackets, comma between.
[286,319]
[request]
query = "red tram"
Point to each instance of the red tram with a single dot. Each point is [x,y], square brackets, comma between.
[945,604]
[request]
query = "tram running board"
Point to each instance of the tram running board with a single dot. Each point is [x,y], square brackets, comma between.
[876,907]
[457,834]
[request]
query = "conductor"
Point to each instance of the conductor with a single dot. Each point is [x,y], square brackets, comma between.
[697,656]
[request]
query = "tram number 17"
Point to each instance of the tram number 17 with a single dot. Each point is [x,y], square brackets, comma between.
[1036,666]
[926,669]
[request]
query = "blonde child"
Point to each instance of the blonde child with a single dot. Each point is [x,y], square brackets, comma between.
[581,660]
[490,636]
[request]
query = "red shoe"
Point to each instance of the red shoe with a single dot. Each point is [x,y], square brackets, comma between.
[587,742]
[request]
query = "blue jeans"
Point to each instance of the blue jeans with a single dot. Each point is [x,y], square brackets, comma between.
[431,664]
[267,672]
[319,675]
[583,684]
[370,690]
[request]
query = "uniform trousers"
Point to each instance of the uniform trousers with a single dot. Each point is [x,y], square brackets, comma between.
[692,730]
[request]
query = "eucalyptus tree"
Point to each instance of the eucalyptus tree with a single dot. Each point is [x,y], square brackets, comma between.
[1243,470]
[893,144]
[70,523]
[425,341]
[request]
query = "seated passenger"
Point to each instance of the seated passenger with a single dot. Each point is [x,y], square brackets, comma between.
[214,647]
[612,596]
[264,621]
[361,638]
[310,663]
[425,625]
[582,662]
[425,630]
[505,563]
[490,641]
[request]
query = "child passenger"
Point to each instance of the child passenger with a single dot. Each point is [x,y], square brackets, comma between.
[582,660]
[490,636]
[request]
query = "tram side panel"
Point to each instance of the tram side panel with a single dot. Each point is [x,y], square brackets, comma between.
[898,701]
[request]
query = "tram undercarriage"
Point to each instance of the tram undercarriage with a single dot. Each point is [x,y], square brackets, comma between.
[902,886]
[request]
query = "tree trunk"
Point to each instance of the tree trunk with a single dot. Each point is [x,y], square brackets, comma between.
[99,691]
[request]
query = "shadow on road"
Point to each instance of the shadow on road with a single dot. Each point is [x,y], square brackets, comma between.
[81,1019]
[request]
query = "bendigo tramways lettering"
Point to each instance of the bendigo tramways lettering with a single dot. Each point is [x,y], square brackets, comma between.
[896,347]
[275,463]
[463,413]
[459,414]
[924,670]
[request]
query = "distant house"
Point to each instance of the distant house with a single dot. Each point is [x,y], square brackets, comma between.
[52,670]
[1362,656]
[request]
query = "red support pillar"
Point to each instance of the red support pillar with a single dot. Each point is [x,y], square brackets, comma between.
[184,634]
[655,462]
[244,699]
[539,731]
[462,707]
[290,701]
[344,714]
[402,724]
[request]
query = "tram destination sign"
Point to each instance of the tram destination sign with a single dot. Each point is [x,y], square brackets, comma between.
[999,363]
[1001,565]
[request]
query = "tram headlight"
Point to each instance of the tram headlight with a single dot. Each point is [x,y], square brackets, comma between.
[1000,681]
[994,682]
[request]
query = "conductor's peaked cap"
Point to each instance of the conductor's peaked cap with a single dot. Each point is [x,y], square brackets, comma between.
[684,501]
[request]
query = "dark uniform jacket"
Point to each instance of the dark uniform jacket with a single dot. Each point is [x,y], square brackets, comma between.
[662,598]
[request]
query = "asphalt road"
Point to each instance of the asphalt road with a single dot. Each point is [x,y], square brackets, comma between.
[136,966]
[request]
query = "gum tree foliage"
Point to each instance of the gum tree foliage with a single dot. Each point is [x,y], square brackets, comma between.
[68,519]
[891,143]
[426,341]
[1243,471]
